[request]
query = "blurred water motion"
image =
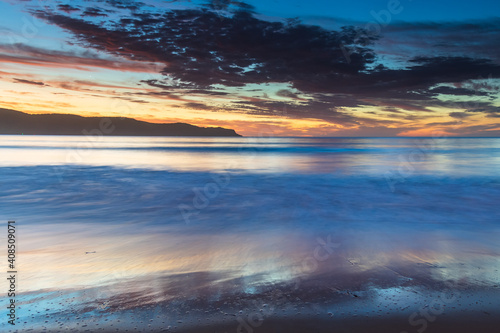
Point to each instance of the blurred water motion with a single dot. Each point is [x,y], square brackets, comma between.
[448,156]
[190,219]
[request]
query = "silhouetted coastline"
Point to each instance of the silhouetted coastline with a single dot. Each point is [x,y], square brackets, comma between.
[15,122]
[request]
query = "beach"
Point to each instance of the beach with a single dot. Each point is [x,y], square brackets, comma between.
[254,234]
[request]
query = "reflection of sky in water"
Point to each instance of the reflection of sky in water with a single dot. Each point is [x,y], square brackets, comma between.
[440,224]
[53,256]
[309,155]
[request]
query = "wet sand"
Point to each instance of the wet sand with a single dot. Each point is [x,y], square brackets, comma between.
[200,302]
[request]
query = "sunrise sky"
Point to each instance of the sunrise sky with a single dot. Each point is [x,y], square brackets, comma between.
[297,68]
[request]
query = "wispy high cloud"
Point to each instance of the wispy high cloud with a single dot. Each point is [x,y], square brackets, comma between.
[33,56]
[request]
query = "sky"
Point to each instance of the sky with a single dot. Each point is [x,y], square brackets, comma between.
[286,67]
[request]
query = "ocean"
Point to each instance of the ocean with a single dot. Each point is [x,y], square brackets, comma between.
[182,232]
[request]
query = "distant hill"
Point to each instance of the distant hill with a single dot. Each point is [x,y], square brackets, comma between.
[15,122]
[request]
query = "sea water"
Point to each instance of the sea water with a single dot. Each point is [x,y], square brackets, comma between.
[189,218]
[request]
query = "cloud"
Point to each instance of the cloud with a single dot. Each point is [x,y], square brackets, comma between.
[223,47]
[475,38]
[94,12]
[67,8]
[28,55]
[476,130]
[126,4]
[198,106]
[459,115]
[457,91]
[37,83]
[203,49]
[207,92]
[486,108]
[288,93]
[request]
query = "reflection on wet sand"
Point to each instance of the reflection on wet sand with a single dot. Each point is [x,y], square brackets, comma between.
[152,271]
[276,255]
